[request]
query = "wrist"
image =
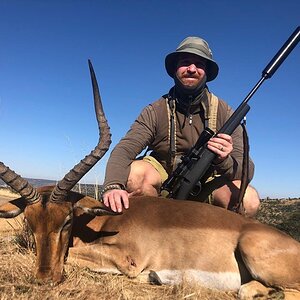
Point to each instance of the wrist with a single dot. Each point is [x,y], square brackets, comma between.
[110,187]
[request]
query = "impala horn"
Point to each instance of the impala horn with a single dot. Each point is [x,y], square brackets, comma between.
[19,184]
[62,188]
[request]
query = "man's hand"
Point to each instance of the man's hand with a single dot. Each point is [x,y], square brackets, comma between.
[116,199]
[221,145]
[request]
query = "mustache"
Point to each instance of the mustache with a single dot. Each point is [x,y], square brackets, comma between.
[190,76]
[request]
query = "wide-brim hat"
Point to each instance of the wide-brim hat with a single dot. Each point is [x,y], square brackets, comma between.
[197,46]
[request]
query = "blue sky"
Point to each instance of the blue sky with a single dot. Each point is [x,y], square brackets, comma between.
[47,121]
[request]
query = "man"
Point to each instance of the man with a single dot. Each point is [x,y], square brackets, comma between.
[170,127]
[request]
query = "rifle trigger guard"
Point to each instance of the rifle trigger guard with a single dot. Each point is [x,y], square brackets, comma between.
[196,189]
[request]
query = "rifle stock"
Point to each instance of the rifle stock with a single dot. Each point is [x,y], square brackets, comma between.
[185,180]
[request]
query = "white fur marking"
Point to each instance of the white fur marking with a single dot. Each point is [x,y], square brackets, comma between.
[220,281]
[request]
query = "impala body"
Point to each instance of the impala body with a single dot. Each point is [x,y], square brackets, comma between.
[161,240]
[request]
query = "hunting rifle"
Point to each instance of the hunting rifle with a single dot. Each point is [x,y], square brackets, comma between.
[185,179]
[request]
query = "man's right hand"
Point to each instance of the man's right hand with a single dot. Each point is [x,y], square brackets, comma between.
[116,199]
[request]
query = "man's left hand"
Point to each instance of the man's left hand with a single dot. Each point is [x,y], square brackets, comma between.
[222,145]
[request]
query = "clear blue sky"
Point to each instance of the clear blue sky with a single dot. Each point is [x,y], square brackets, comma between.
[47,121]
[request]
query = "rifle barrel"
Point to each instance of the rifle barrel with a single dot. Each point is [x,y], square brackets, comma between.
[268,72]
[282,54]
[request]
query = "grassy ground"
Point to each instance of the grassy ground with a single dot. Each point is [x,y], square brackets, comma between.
[17,280]
[283,214]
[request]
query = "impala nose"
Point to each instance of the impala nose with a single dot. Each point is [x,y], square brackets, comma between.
[48,276]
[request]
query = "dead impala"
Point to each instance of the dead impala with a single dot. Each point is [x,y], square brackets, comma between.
[156,238]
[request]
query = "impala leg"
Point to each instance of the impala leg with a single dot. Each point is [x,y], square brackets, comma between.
[291,295]
[271,256]
[256,290]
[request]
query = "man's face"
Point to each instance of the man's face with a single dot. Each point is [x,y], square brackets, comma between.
[190,70]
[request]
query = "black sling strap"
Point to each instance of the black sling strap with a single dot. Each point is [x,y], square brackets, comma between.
[245,171]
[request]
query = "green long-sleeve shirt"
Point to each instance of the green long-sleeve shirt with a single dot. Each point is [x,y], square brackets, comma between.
[151,129]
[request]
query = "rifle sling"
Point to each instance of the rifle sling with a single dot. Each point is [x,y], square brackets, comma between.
[245,171]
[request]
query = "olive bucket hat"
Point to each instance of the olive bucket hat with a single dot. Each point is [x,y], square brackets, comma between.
[197,46]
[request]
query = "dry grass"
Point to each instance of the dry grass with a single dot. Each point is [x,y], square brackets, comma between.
[17,265]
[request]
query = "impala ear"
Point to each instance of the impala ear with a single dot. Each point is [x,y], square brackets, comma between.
[12,208]
[100,211]
[93,207]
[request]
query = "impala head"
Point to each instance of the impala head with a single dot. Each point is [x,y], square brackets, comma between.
[49,210]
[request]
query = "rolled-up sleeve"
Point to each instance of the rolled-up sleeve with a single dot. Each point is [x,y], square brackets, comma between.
[139,136]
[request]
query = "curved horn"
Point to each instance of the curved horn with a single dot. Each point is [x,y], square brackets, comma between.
[68,182]
[19,184]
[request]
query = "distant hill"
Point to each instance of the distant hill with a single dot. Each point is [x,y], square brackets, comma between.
[34,182]
[86,189]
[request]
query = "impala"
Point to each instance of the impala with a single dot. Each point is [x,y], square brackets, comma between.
[163,240]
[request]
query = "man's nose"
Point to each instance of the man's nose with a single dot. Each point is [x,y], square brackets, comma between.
[192,68]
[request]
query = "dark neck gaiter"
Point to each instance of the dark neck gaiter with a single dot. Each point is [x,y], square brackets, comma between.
[188,99]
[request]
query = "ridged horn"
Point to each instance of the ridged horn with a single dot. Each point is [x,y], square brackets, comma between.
[19,184]
[62,188]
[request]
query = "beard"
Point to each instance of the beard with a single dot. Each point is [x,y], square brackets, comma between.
[189,89]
